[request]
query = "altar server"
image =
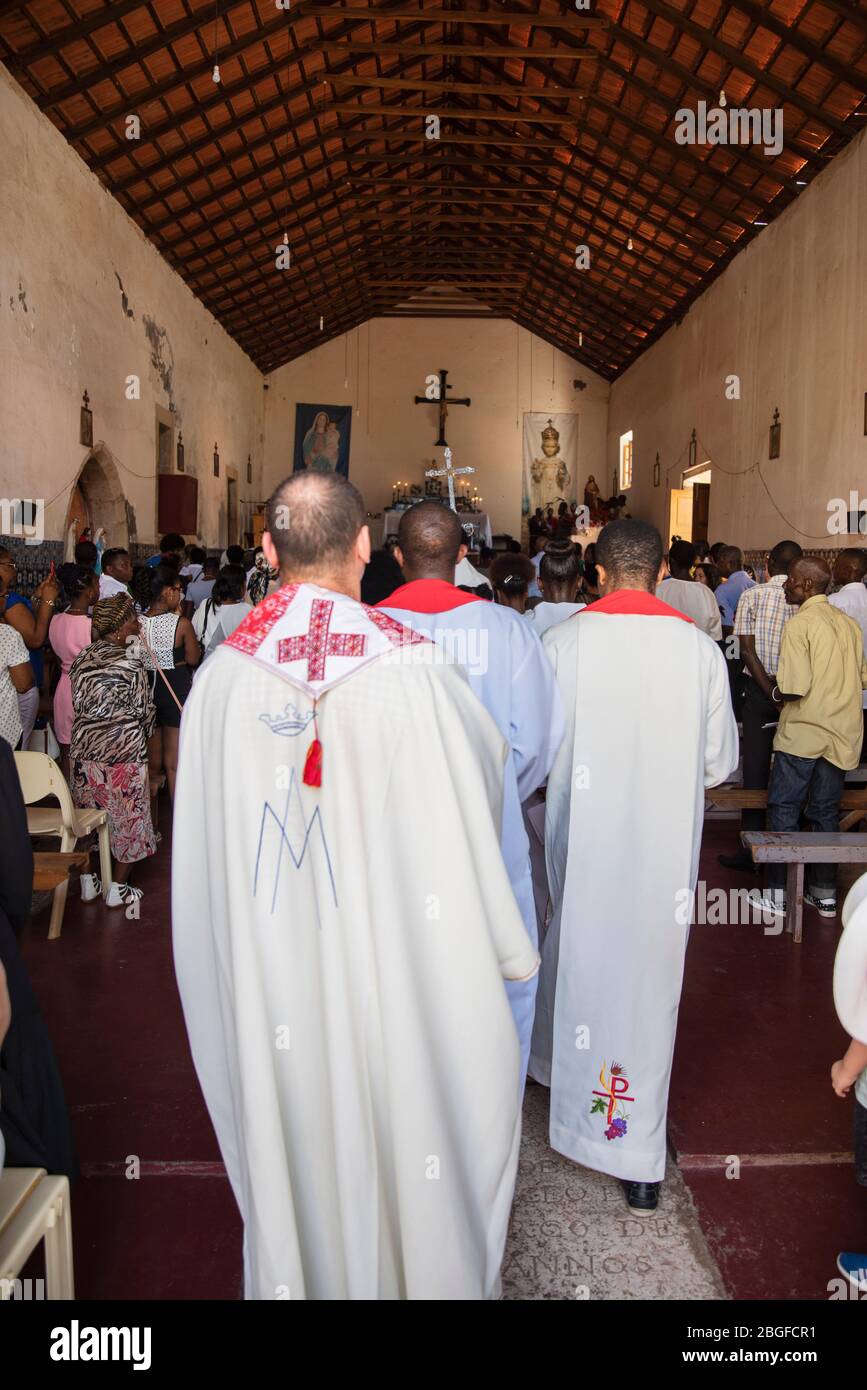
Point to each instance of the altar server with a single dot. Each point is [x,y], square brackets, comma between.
[649,726]
[507,669]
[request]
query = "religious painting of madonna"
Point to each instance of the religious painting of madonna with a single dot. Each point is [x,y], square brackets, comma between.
[322,438]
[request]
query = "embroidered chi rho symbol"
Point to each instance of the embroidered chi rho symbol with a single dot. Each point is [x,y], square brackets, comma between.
[614,1092]
[319,643]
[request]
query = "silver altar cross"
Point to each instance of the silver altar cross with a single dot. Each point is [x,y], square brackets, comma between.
[449,473]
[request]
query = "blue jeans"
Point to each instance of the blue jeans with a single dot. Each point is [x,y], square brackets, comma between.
[818,784]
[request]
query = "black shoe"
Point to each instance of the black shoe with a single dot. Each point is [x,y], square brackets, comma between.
[742,862]
[642,1197]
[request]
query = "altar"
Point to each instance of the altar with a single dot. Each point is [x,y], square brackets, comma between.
[480,522]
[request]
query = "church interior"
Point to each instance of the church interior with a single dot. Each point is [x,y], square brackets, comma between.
[510,256]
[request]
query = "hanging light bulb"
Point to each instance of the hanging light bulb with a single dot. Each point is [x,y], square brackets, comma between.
[629,244]
[321,323]
[215,75]
[722,98]
[285,238]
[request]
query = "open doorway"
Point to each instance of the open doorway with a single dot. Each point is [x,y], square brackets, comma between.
[232,509]
[96,503]
[689,505]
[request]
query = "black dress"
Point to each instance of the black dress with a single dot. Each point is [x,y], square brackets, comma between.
[160,632]
[34,1118]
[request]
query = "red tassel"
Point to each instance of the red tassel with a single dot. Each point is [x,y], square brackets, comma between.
[313,765]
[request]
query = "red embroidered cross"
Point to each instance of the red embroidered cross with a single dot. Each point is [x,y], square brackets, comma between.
[319,643]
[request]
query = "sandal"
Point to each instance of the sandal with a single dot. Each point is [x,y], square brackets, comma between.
[122,895]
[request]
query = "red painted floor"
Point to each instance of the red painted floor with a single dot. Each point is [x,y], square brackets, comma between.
[756,1040]
[107,990]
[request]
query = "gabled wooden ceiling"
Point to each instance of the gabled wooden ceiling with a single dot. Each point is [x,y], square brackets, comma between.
[556,129]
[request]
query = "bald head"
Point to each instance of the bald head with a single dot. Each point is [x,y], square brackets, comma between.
[317,532]
[808,576]
[429,540]
[814,569]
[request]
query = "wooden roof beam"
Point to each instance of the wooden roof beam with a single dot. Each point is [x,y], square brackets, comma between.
[436,85]
[457,113]
[579,54]
[578,20]
[395,137]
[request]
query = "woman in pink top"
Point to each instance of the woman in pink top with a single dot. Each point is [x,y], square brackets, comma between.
[68,635]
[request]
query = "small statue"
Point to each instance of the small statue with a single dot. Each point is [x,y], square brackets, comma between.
[591,494]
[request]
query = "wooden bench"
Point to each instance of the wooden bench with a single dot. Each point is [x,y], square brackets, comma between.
[853,802]
[796,848]
[50,869]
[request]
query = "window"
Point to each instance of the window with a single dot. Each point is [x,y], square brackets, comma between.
[626,460]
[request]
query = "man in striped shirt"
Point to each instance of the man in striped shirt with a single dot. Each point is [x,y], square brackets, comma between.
[762,613]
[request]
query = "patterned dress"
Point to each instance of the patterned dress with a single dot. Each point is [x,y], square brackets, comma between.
[114,717]
[160,633]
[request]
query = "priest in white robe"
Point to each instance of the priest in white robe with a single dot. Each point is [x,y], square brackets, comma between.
[649,727]
[342,926]
[507,669]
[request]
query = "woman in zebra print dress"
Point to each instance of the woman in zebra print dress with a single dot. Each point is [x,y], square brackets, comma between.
[113,718]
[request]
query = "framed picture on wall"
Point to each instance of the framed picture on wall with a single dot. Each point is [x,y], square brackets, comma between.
[322,438]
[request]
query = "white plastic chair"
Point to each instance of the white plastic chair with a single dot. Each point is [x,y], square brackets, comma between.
[34,1208]
[854,898]
[40,777]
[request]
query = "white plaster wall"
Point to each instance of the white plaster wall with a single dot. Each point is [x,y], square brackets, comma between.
[503,369]
[63,242]
[789,317]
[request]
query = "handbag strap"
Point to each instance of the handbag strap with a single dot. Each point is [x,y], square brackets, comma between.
[159,669]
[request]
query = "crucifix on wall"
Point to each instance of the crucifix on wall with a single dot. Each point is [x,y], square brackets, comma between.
[435,390]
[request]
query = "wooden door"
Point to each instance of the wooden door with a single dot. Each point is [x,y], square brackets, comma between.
[680,513]
[700,511]
[232,512]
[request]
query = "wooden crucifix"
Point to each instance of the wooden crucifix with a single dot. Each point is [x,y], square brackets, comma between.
[436,391]
[449,474]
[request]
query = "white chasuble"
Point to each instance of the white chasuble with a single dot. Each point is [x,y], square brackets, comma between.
[508,670]
[649,726]
[340,950]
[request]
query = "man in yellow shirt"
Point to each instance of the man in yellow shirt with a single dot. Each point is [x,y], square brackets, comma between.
[820,677]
